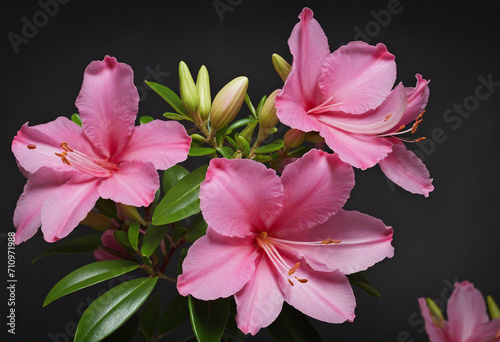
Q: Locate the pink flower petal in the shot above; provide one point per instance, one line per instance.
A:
(466, 311)
(108, 104)
(327, 296)
(239, 196)
(360, 150)
(358, 77)
(405, 169)
(217, 266)
(435, 334)
(135, 183)
(63, 210)
(162, 143)
(364, 241)
(487, 332)
(417, 100)
(41, 185)
(48, 138)
(260, 301)
(109, 241)
(316, 186)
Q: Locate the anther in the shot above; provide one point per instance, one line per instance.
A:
(420, 139)
(290, 282)
(31, 146)
(65, 147)
(387, 117)
(330, 241)
(303, 281)
(498, 334)
(400, 128)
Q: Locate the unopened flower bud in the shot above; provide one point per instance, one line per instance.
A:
(493, 308)
(188, 90)
(97, 221)
(267, 115)
(436, 314)
(293, 138)
(131, 212)
(228, 101)
(203, 85)
(281, 66)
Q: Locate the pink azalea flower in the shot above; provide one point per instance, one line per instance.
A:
(113, 251)
(346, 96)
(272, 239)
(467, 318)
(70, 167)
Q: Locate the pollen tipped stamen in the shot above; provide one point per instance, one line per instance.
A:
(303, 281)
(31, 146)
(330, 241)
(497, 335)
(387, 117)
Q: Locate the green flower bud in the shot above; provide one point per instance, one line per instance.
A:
(97, 221)
(293, 138)
(203, 85)
(436, 314)
(281, 66)
(189, 91)
(228, 101)
(267, 115)
(493, 308)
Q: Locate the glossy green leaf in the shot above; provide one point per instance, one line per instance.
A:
(261, 104)
(182, 200)
(200, 151)
(208, 318)
(133, 235)
(175, 314)
(177, 117)
(83, 244)
(274, 146)
(169, 96)
(359, 279)
(243, 145)
(76, 119)
(250, 105)
(196, 229)
(108, 312)
(152, 238)
(150, 316)
(121, 237)
(172, 176)
(106, 207)
(89, 275)
(126, 332)
(232, 142)
(145, 119)
(240, 123)
(293, 326)
(226, 151)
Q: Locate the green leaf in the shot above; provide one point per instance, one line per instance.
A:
(150, 316)
(111, 310)
(293, 326)
(232, 142)
(261, 104)
(359, 279)
(178, 233)
(208, 318)
(122, 238)
(262, 159)
(226, 151)
(200, 151)
(133, 235)
(145, 119)
(196, 229)
(298, 152)
(182, 200)
(169, 96)
(83, 244)
(175, 314)
(250, 105)
(240, 123)
(106, 207)
(152, 238)
(220, 135)
(76, 119)
(89, 275)
(177, 117)
(243, 145)
(274, 146)
(126, 332)
(172, 176)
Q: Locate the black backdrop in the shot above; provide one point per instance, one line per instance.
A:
(452, 235)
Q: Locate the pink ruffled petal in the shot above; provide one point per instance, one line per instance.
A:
(240, 196)
(360, 150)
(405, 169)
(358, 77)
(466, 311)
(316, 186)
(260, 301)
(108, 104)
(417, 100)
(217, 266)
(326, 296)
(162, 143)
(69, 204)
(135, 183)
(364, 241)
(41, 185)
(488, 332)
(48, 138)
(435, 334)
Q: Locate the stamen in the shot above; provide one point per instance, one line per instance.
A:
(65, 147)
(303, 281)
(498, 334)
(387, 117)
(31, 146)
(294, 268)
(330, 241)
(289, 281)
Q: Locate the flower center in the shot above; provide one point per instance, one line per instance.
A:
(411, 130)
(81, 161)
(325, 106)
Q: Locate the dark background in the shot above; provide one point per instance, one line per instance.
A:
(452, 235)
